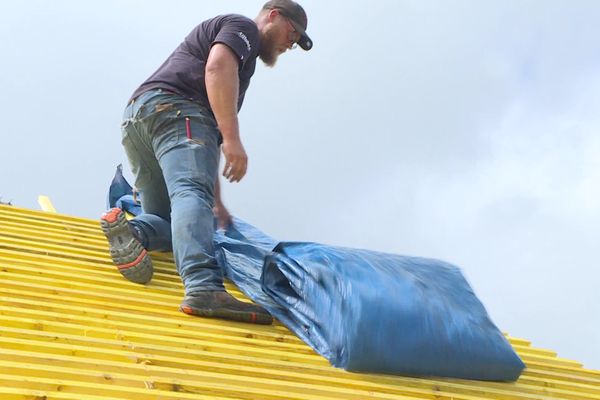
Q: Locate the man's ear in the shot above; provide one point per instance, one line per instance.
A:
(272, 14)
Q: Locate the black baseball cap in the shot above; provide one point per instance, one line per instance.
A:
(295, 13)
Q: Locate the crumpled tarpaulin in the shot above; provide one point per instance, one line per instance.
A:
(120, 194)
(365, 311)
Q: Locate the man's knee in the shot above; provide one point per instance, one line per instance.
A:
(197, 191)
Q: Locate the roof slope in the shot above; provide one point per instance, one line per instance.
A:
(73, 328)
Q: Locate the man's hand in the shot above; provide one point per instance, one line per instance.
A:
(219, 210)
(236, 160)
(223, 217)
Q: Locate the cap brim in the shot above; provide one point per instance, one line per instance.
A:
(304, 42)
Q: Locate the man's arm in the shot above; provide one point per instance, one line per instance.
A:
(222, 86)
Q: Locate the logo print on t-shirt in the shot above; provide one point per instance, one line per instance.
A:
(245, 39)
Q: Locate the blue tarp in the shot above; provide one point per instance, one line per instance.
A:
(120, 194)
(367, 311)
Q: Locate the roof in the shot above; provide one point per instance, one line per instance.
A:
(73, 328)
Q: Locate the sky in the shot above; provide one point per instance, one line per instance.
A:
(461, 130)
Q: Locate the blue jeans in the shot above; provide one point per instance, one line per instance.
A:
(173, 149)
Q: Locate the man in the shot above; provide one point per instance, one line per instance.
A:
(172, 130)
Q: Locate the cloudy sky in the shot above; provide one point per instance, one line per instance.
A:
(460, 130)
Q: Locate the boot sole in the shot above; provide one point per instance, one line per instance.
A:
(232, 315)
(128, 254)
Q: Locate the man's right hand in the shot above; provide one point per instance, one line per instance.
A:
(236, 160)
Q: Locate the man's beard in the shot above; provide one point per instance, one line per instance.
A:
(268, 52)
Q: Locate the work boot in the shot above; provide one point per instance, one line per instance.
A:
(127, 252)
(220, 304)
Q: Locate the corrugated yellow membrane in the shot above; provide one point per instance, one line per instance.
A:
(73, 328)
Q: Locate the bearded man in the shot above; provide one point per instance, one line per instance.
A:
(173, 128)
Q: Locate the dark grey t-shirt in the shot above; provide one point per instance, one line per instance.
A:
(183, 71)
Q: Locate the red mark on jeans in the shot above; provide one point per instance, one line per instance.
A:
(188, 129)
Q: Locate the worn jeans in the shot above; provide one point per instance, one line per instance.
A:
(173, 149)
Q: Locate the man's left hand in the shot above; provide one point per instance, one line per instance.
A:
(223, 217)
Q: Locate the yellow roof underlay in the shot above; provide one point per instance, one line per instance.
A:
(72, 328)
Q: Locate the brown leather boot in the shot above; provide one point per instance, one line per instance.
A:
(220, 304)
